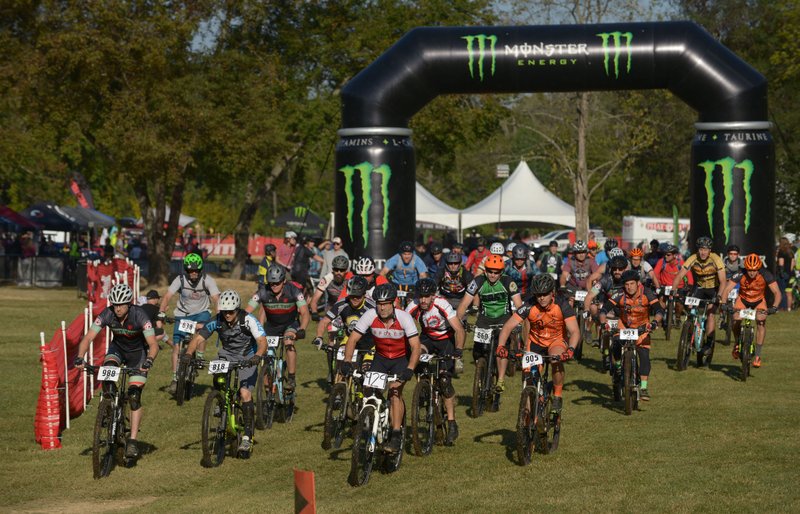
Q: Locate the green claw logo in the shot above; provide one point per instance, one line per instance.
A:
(300, 212)
(481, 40)
(616, 39)
(727, 165)
(365, 171)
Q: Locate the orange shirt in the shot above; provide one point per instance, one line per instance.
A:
(548, 325)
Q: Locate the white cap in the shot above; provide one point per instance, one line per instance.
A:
(337, 239)
(289, 234)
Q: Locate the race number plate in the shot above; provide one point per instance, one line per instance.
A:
(340, 354)
(483, 335)
(215, 367)
(691, 301)
(108, 373)
(612, 323)
(402, 294)
(272, 341)
(375, 380)
(629, 334)
(733, 294)
(188, 326)
(531, 359)
(667, 290)
(426, 357)
(748, 314)
(580, 295)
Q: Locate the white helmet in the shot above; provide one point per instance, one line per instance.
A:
(365, 266)
(497, 249)
(229, 300)
(510, 246)
(120, 294)
(616, 252)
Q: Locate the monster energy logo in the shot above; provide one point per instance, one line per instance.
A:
(365, 171)
(300, 212)
(616, 39)
(727, 165)
(481, 40)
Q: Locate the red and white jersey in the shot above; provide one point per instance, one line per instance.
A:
(390, 339)
(433, 321)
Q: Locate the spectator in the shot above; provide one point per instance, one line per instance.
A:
(303, 255)
(285, 253)
(269, 257)
(27, 246)
(330, 253)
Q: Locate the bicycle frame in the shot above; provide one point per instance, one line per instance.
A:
(698, 317)
(382, 422)
(229, 386)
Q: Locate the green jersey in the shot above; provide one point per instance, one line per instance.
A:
(495, 298)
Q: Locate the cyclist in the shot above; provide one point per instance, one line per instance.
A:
(604, 256)
(477, 256)
(553, 329)
(575, 273)
(646, 274)
(666, 270)
(285, 314)
(709, 278)
(608, 284)
(633, 306)
(453, 279)
(243, 339)
(495, 249)
(753, 285)
(734, 265)
(520, 269)
(593, 249)
(551, 261)
(270, 254)
(434, 260)
(394, 333)
(406, 267)
(195, 290)
(134, 345)
(332, 284)
(497, 294)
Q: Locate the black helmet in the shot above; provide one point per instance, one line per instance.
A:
(553, 243)
(276, 274)
(704, 242)
(609, 244)
(384, 293)
(270, 248)
(664, 247)
(340, 262)
(406, 246)
(618, 263)
(426, 287)
(453, 258)
(520, 251)
(481, 241)
(630, 275)
(542, 284)
(357, 286)
(436, 248)
(733, 248)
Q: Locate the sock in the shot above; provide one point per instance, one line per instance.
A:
(644, 384)
(758, 350)
(291, 375)
(174, 377)
(247, 413)
(557, 389)
(198, 355)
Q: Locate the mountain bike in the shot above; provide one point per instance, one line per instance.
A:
(344, 401)
(405, 294)
(582, 316)
(726, 316)
(223, 420)
(627, 386)
(112, 424)
(606, 331)
(373, 430)
(538, 426)
(693, 334)
(747, 337)
(669, 317)
(271, 395)
(186, 374)
(428, 412)
(483, 385)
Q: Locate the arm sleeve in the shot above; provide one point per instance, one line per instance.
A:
(208, 329)
(407, 322)
(254, 326)
(175, 286)
(363, 323)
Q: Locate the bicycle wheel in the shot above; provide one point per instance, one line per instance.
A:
(728, 327)
(103, 443)
(363, 448)
(543, 412)
(553, 422)
(684, 346)
(265, 398)
(180, 379)
(745, 345)
(439, 417)
(422, 424)
(478, 398)
(629, 381)
(213, 430)
(287, 399)
(525, 426)
(335, 417)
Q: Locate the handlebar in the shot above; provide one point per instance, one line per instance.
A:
(88, 368)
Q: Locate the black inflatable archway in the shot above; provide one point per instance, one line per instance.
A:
(732, 165)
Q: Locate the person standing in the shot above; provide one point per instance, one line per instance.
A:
(328, 254)
(285, 253)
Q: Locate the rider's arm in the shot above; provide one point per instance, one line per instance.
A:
(594, 277)
(653, 276)
(464, 305)
(353, 339)
(574, 332)
(165, 301)
(676, 282)
(416, 350)
(516, 301)
(729, 285)
(95, 329)
(508, 327)
(722, 280)
(458, 329)
(315, 300)
(253, 303)
(562, 281)
(194, 343)
(152, 345)
(305, 316)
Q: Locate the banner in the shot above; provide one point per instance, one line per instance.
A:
(80, 188)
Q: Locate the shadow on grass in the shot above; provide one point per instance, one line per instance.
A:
(733, 371)
(316, 427)
(599, 393)
(508, 439)
(194, 445)
(341, 454)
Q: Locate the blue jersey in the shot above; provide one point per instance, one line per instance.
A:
(239, 337)
(601, 258)
(523, 276)
(405, 274)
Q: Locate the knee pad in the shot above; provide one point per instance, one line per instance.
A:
(448, 391)
(394, 392)
(289, 347)
(135, 397)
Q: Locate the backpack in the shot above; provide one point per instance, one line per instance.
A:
(202, 279)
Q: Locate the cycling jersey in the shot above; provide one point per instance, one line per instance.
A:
(405, 274)
(390, 340)
(281, 310)
(732, 269)
(635, 311)
(129, 334)
(607, 286)
(475, 259)
(378, 280)
(193, 299)
(643, 269)
(345, 314)
(579, 272)
(239, 338)
(551, 263)
(266, 262)
(521, 276)
(548, 325)
(601, 257)
(667, 271)
(434, 321)
(453, 285)
(753, 290)
(334, 290)
(495, 298)
(704, 272)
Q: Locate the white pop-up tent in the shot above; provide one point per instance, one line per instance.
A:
(520, 198)
(432, 210)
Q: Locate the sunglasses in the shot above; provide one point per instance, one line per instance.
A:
(339, 270)
(337, 244)
(225, 313)
(492, 272)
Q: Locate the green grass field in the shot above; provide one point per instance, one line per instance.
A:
(705, 443)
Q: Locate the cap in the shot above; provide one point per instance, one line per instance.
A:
(337, 239)
(153, 295)
(289, 234)
(592, 244)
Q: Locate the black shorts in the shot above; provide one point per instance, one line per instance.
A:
(279, 330)
(442, 348)
(707, 293)
(131, 359)
(383, 364)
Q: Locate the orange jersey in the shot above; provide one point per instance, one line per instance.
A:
(548, 325)
(633, 312)
(752, 291)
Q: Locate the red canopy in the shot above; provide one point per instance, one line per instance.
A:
(11, 216)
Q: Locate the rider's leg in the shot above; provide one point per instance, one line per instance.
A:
(397, 406)
(644, 364)
(135, 400)
(175, 355)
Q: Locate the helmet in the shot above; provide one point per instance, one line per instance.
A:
(580, 246)
(672, 249)
(269, 248)
(426, 287)
(497, 249)
(630, 275)
(436, 248)
(494, 262)
(192, 262)
(704, 242)
(453, 258)
(229, 300)
(120, 294)
(609, 244)
(384, 293)
(290, 234)
(542, 284)
(340, 262)
(276, 274)
(553, 243)
(357, 286)
(752, 262)
(618, 262)
(636, 252)
(365, 266)
(616, 252)
(520, 252)
(591, 244)
(510, 246)
(664, 247)
(481, 241)
(406, 246)
(733, 248)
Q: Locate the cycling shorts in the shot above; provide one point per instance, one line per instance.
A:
(248, 375)
(383, 364)
(279, 330)
(134, 359)
(758, 305)
(200, 317)
(441, 347)
(707, 293)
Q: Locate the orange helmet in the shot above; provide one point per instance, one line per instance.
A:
(494, 263)
(637, 252)
(752, 262)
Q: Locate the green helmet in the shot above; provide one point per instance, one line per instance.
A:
(192, 262)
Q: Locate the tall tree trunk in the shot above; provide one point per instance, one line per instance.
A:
(582, 172)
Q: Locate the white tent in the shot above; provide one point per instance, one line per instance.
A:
(183, 221)
(520, 198)
(432, 210)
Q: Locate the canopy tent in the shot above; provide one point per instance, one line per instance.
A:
(301, 219)
(432, 210)
(53, 217)
(10, 218)
(183, 220)
(520, 198)
(90, 217)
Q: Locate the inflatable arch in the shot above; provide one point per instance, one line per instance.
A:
(732, 160)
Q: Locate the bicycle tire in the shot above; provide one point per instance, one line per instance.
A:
(543, 410)
(103, 443)
(744, 351)
(286, 399)
(214, 428)
(553, 422)
(684, 346)
(238, 431)
(525, 426)
(478, 401)
(123, 430)
(335, 417)
(440, 417)
(180, 379)
(728, 327)
(423, 426)
(629, 381)
(362, 458)
(265, 399)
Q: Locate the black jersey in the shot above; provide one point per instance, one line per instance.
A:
(130, 332)
(280, 310)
